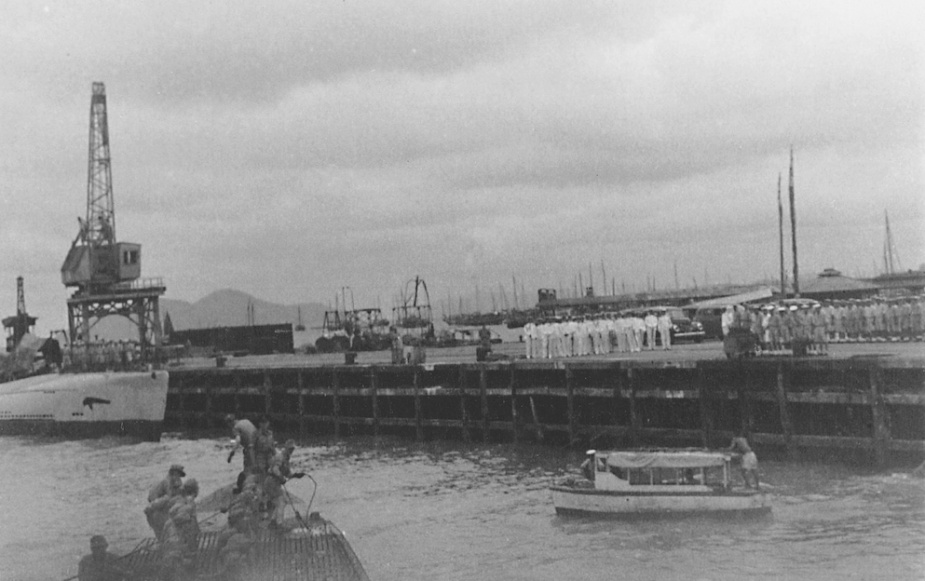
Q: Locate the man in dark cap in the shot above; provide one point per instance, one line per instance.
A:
(161, 496)
(245, 436)
(100, 564)
(181, 534)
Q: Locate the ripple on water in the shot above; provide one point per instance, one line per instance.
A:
(454, 512)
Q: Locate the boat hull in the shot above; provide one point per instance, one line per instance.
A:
(592, 502)
(318, 551)
(85, 405)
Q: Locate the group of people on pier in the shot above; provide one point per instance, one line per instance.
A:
(598, 334)
(103, 355)
(257, 503)
(779, 327)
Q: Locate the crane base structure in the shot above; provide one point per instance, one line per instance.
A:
(137, 302)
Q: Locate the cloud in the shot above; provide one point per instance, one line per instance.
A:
(290, 148)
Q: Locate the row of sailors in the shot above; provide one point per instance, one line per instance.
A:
(776, 327)
(119, 354)
(608, 333)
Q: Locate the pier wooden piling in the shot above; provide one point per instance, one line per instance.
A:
(463, 409)
(512, 387)
(483, 399)
(881, 430)
(418, 407)
(784, 411)
(872, 406)
(335, 400)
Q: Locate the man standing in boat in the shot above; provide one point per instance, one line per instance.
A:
(180, 543)
(100, 564)
(264, 445)
(279, 472)
(740, 446)
(245, 436)
(160, 497)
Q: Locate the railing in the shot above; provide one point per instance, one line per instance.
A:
(140, 284)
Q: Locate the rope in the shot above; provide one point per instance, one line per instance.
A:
(210, 517)
(310, 501)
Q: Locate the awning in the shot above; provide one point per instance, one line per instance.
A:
(665, 459)
(751, 296)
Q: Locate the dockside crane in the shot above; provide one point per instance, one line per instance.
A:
(106, 273)
(21, 323)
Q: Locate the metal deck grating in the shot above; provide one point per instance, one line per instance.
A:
(319, 553)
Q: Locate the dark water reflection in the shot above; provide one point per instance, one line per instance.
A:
(449, 511)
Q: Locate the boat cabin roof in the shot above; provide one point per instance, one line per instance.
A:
(662, 459)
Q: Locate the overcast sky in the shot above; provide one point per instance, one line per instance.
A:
(288, 149)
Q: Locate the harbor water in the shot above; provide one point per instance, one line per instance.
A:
(449, 511)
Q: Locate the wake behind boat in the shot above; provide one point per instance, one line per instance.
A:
(656, 483)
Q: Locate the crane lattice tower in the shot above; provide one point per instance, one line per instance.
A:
(105, 272)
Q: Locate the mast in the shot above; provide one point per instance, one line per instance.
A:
(890, 256)
(780, 228)
(514, 288)
(793, 232)
(603, 278)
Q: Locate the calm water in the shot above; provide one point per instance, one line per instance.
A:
(444, 511)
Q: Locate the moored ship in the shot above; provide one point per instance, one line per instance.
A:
(85, 404)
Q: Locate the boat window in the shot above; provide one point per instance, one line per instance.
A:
(714, 476)
(620, 473)
(640, 476)
(669, 476)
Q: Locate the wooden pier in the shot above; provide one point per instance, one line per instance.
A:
(868, 406)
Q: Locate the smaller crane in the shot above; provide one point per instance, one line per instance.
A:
(20, 323)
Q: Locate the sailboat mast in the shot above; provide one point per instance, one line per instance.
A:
(514, 286)
(780, 228)
(890, 256)
(793, 232)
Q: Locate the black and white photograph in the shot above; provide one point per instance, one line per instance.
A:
(366, 290)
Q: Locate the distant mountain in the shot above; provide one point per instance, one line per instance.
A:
(223, 308)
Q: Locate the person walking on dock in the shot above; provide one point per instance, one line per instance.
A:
(727, 320)
(529, 332)
(651, 324)
(664, 330)
(160, 498)
(100, 564)
(639, 330)
(245, 436)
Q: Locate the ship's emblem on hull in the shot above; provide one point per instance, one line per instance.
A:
(89, 401)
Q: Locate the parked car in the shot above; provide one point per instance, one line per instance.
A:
(710, 319)
(682, 327)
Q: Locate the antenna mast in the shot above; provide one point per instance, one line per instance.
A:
(793, 232)
(890, 256)
(780, 227)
